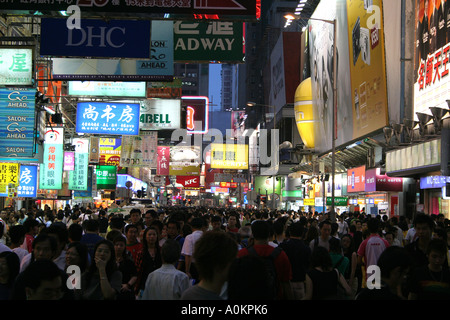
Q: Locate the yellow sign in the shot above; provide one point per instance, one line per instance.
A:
(184, 169)
(367, 67)
(229, 156)
(304, 113)
(9, 174)
(309, 202)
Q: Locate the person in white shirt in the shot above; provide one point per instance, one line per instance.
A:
(166, 282)
(198, 224)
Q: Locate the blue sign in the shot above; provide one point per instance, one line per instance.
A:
(96, 38)
(108, 118)
(27, 181)
(434, 182)
(17, 118)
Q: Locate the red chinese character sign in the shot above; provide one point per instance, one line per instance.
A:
(197, 118)
(51, 170)
(431, 67)
(163, 161)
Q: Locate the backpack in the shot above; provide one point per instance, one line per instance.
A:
(269, 262)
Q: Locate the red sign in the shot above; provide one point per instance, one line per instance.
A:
(162, 168)
(197, 108)
(189, 181)
(356, 179)
(228, 184)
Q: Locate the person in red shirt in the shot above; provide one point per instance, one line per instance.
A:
(31, 228)
(261, 234)
(133, 245)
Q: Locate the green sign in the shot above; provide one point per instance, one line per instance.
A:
(265, 183)
(78, 177)
(292, 194)
(106, 177)
(202, 41)
(338, 201)
(16, 66)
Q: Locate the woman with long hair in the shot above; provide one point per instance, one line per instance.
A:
(149, 258)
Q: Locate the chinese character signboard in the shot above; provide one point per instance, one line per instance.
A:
(9, 176)
(109, 150)
(432, 52)
(16, 66)
(139, 151)
(78, 177)
(69, 161)
(208, 41)
(27, 181)
(17, 117)
(163, 161)
(108, 118)
(229, 156)
(51, 170)
(106, 177)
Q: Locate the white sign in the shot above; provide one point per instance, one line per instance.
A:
(158, 114)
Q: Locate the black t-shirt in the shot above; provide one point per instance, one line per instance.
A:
(430, 285)
(299, 255)
(384, 293)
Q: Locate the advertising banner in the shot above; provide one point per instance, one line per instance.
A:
(211, 9)
(197, 117)
(9, 176)
(160, 114)
(107, 88)
(157, 67)
(109, 151)
(27, 181)
(163, 160)
(139, 151)
(205, 41)
(356, 179)
(17, 118)
(108, 118)
(367, 67)
(431, 59)
(96, 38)
(229, 156)
(265, 185)
(377, 182)
(106, 177)
(189, 181)
(51, 170)
(16, 66)
(78, 178)
(69, 160)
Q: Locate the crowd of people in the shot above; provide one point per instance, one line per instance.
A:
(204, 253)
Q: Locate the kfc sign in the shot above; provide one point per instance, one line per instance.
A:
(189, 181)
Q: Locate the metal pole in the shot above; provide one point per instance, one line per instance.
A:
(275, 149)
(333, 139)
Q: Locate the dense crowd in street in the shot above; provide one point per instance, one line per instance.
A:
(205, 253)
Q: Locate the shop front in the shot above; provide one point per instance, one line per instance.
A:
(435, 194)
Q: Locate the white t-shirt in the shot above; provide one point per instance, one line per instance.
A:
(371, 249)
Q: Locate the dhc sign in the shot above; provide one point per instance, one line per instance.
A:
(96, 38)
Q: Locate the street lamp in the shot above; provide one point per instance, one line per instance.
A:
(333, 134)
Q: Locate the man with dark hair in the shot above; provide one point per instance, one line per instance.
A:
(299, 255)
(373, 246)
(91, 236)
(133, 245)
(43, 281)
(214, 253)
(261, 234)
(166, 283)
(424, 226)
(17, 237)
(187, 250)
(431, 281)
(31, 230)
(324, 236)
(60, 234)
(394, 264)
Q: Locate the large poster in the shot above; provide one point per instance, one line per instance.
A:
(431, 62)
(367, 66)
